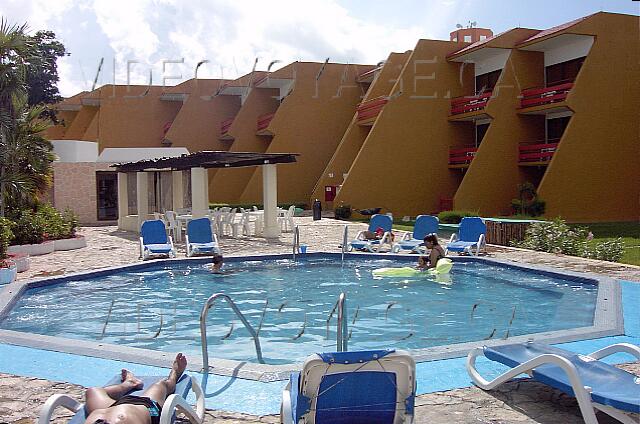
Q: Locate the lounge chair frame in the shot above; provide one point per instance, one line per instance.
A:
(581, 392)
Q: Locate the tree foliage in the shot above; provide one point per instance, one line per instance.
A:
(42, 73)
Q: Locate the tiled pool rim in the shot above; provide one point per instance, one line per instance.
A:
(608, 319)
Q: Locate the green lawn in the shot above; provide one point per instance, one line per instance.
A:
(628, 231)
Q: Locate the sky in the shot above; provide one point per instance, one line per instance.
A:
(165, 39)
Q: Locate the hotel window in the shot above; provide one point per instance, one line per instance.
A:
(481, 130)
(467, 38)
(555, 128)
(486, 82)
(564, 72)
(132, 192)
(483, 37)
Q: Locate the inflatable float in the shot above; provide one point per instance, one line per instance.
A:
(443, 266)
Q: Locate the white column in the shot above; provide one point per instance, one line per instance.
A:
(199, 192)
(270, 201)
(177, 190)
(123, 199)
(142, 188)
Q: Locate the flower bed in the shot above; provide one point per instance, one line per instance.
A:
(35, 249)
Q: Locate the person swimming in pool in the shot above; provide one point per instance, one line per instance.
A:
(111, 404)
(216, 264)
(436, 252)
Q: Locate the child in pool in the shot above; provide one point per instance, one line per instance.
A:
(216, 264)
(436, 252)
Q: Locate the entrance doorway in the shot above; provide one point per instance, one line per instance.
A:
(107, 195)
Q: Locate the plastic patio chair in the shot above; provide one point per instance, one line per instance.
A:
(286, 221)
(174, 402)
(471, 234)
(154, 240)
(200, 238)
(372, 387)
(377, 221)
(594, 384)
(425, 224)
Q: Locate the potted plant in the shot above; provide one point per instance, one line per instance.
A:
(8, 269)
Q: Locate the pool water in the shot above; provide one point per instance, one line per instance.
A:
(291, 302)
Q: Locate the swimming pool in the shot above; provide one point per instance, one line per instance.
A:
(157, 306)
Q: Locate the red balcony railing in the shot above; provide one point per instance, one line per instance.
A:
(545, 95)
(264, 120)
(225, 125)
(469, 103)
(371, 108)
(462, 155)
(537, 152)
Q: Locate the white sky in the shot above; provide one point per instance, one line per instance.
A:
(230, 34)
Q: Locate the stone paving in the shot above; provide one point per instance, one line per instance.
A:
(515, 402)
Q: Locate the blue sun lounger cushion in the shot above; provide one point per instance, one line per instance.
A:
(377, 221)
(200, 238)
(425, 224)
(154, 239)
(594, 383)
(471, 234)
(352, 387)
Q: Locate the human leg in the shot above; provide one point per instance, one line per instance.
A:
(160, 390)
(104, 397)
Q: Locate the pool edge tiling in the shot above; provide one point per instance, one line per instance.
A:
(608, 320)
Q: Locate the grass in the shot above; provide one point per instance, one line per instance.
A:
(628, 231)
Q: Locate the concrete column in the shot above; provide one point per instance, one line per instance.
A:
(270, 201)
(142, 187)
(123, 199)
(199, 192)
(177, 190)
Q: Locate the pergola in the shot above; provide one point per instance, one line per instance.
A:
(198, 163)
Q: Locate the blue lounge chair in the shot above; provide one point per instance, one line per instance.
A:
(593, 383)
(471, 234)
(377, 221)
(425, 224)
(200, 238)
(372, 387)
(154, 240)
(174, 402)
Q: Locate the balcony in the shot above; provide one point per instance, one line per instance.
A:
(469, 107)
(540, 96)
(368, 111)
(263, 124)
(537, 153)
(224, 129)
(461, 157)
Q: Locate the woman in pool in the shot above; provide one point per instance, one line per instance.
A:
(436, 252)
(216, 264)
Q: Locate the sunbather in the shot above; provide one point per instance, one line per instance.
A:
(111, 405)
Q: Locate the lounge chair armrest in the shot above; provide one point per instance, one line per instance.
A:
(141, 245)
(53, 402)
(360, 235)
(406, 236)
(176, 402)
(454, 238)
(616, 348)
(286, 415)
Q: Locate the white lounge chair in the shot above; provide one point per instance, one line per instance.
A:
(154, 240)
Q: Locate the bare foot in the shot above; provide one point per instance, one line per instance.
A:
(128, 377)
(179, 365)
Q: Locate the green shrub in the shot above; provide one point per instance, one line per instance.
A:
(527, 202)
(557, 237)
(6, 235)
(342, 212)
(28, 229)
(454, 217)
(71, 220)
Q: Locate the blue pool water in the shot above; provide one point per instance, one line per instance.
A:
(159, 308)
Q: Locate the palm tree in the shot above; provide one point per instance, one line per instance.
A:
(27, 156)
(16, 50)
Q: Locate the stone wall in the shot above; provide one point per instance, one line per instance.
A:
(74, 187)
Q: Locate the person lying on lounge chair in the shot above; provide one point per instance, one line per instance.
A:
(110, 405)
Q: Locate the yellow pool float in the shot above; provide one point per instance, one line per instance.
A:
(443, 266)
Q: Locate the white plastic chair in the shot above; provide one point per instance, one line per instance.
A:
(286, 221)
(172, 224)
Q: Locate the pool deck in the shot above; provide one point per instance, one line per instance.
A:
(28, 376)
